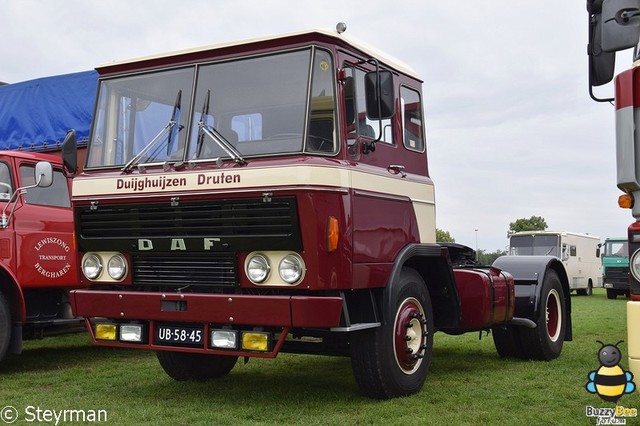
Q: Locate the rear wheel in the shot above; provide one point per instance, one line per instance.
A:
(183, 366)
(5, 326)
(611, 293)
(393, 360)
(544, 342)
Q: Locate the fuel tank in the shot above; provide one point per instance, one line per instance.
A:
(487, 297)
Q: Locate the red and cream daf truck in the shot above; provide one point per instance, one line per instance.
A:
(614, 25)
(273, 195)
(38, 256)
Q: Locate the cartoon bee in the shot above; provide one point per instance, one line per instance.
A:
(610, 381)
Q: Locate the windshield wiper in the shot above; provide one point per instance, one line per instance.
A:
(204, 129)
(159, 137)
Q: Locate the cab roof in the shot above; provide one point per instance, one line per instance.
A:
(254, 45)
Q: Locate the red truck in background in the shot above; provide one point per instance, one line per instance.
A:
(614, 25)
(38, 257)
(273, 195)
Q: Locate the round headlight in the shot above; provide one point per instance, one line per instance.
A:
(291, 268)
(634, 265)
(117, 267)
(258, 268)
(92, 267)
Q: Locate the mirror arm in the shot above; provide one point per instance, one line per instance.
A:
(610, 100)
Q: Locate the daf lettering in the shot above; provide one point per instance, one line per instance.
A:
(178, 244)
(208, 242)
(144, 244)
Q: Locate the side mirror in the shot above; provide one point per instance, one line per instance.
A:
(70, 153)
(43, 174)
(601, 63)
(379, 95)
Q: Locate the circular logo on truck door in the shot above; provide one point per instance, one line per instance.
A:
(52, 260)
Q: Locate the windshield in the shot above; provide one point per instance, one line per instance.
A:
(257, 106)
(616, 249)
(528, 245)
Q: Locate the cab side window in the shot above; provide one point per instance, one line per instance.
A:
(412, 122)
(359, 124)
(57, 195)
(6, 188)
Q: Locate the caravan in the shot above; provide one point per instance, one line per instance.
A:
(578, 252)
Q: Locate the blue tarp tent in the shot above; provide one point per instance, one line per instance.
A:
(36, 114)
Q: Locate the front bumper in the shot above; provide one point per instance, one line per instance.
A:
(278, 313)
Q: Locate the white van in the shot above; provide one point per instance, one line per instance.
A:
(578, 252)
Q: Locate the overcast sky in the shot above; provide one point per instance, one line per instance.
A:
(511, 129)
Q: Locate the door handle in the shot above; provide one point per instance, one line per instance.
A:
(397, 169)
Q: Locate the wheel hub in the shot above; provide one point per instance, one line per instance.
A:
(410, 335)
(553, 315)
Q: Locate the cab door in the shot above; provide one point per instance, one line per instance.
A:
(43, 224)
(7, 235)
(392, 195)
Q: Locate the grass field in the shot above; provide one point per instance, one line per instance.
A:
(468, 384)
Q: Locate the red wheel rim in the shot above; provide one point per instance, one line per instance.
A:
(553, 315)
(410, 335)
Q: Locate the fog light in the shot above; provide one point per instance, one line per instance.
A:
(131, 333)
(255, 341)
(224, 339)
(106, 332)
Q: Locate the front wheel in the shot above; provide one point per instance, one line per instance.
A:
(183, 366)
(393, 359)
(544, 342)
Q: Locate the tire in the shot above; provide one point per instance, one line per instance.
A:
(393, 360)
(611, 294)
(589, 289)
(506, 339)
(5, 326)
(544, 342)
(182, 366)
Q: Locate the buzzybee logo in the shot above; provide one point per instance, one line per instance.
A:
(610, 381)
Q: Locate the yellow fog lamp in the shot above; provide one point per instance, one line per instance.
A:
(224, 339)
(255, 341)
(132, 333)
(106, 332)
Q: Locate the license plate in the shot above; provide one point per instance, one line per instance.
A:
(179, 335)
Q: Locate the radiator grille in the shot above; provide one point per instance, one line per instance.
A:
(214, 269)
(241, 224)
(190, 219)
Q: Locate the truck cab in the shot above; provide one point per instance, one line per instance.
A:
(273, 195)
(615, 266)
(37, 257)
(614, 25)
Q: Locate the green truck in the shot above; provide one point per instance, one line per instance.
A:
(615, 267)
